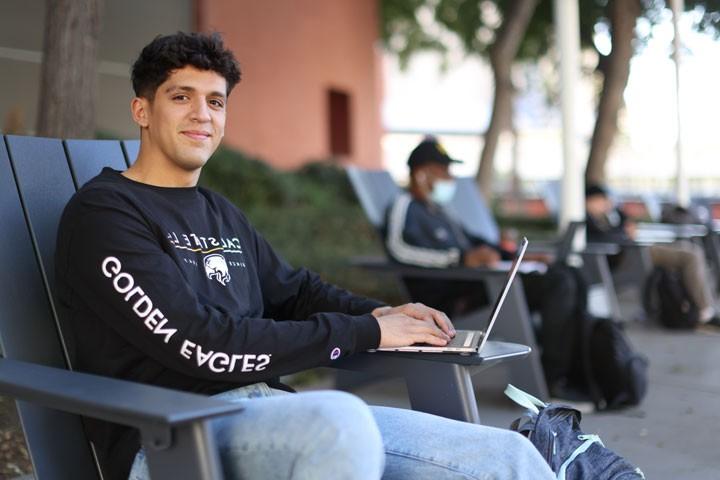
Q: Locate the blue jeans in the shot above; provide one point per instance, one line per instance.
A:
(327, 434)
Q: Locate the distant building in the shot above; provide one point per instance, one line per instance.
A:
(312, 82)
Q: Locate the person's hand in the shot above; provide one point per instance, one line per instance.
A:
(413, 323)
(400, 330)
(482, 256)
(419, 312)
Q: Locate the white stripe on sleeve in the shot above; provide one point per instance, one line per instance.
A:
(411, 254)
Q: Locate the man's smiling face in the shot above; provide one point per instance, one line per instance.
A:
(185, 121)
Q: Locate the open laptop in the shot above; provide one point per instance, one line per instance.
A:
(468, 342)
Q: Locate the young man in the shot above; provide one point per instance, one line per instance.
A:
(605, 223)
(419, 232)
(167, 283)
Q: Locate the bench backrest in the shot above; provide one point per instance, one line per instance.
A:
(37, 178)
(87, 158)
(130, 149)
(469, 208)
(376, 191)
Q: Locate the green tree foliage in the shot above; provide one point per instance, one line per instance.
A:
(709, 15)
(311, 217)
(409, 26)
(492, 28)
(402, 32)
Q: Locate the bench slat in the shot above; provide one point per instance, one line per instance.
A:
(45, 185)
(87, 158)
(131, 149)
(57, 444)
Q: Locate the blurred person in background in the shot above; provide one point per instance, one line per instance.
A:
(608, 224)
(419, 232)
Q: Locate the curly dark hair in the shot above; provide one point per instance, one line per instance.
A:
(167, 53)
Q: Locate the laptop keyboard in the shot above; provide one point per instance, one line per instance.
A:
(464, 339)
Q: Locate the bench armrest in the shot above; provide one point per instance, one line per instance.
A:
(602, 248)
(668, 232)
(682, 229)
(398, 363)
(382, 265)
(173, 424)
(127, 403)
(543, 246)
(592, 248)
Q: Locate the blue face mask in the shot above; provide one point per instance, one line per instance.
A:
(443, 191)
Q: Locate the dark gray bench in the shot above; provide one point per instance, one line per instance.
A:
(37, 177)
(376, 191)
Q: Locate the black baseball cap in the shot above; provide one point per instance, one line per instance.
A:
(429, 151)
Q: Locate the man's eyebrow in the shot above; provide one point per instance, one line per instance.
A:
(189, 89)
(179, 87)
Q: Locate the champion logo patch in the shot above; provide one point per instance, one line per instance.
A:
(335, 354)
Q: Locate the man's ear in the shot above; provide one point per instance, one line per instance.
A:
(139, 107)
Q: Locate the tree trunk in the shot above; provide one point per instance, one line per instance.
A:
(68, 82)
(502, 55)
(623, 15)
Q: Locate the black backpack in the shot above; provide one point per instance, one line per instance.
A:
(608, 367)
(666, 299)
(570, 453)
(616, 374)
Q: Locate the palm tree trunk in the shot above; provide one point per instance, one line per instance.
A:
(502, 55)
(623, 15)
(68, 82)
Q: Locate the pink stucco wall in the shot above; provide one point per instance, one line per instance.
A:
(291, 52)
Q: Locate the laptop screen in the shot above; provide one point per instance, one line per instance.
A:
(501, 298)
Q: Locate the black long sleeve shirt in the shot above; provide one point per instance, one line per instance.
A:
(173, 287)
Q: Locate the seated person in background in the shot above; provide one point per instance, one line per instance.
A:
(607, 224)
(419, 232)
(167, 283)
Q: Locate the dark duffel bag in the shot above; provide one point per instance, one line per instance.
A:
(571, 453)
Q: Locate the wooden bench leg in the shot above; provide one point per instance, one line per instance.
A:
(445, 390)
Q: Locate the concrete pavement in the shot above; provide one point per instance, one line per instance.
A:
(673, 434)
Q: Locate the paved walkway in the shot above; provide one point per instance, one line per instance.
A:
(674, 434)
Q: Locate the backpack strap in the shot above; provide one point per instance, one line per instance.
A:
(524, 399)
